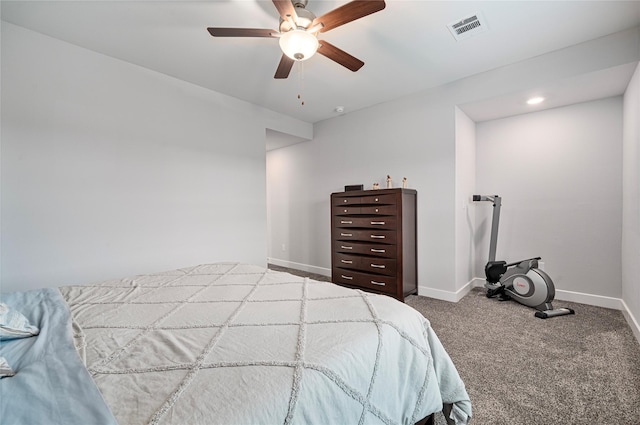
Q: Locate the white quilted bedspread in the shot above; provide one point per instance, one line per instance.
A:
(239, 344)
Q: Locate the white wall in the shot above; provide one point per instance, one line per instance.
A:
(559, 174)
(109, 169)
(361, 148)
(296, 227)
(465, 188)
(631, 201)
(412, 137)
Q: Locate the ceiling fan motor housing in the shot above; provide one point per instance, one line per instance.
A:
(305, 19)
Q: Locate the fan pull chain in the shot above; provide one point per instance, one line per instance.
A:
(300, 81)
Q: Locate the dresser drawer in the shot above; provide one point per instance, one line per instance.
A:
(387, 199)
(346, 210)
(366, 222)
(385, 284)
(377, 250)
(348, 261)
(385, 266)
(365, 235)
(378, 210)
(375, 265)
(346, 200)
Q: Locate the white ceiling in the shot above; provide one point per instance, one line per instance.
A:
(594, 85)
(406, 47)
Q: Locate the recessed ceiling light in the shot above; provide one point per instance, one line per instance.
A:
(535, 100)
(339, 109)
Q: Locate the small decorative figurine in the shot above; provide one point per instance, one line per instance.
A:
(404, 182)
(388, 181)
(376, 186)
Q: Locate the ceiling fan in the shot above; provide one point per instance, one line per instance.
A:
(299, 28)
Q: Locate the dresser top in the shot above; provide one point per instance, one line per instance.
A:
(375, 191)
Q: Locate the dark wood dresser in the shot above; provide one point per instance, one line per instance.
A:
(373, 237)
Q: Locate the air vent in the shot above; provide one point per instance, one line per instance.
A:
(468, 26)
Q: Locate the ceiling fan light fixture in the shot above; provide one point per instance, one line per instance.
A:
(299, 44)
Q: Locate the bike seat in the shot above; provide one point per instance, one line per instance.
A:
(494, 270)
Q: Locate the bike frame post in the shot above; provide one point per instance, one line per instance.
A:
(495, 222)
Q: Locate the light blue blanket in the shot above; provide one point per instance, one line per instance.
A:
(51, 385)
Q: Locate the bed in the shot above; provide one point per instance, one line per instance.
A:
(225, 343)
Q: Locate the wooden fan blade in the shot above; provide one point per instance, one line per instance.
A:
(286, 10)
(284, 67)
(339, 56)
(348, 12)
(241, 32)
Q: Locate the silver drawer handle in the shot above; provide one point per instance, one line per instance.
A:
(345, 200)
(346, 222)
(346, 277)
(346, 234)
(376, 283)
(346, 210)
(347, 261)
(378, 222)
(376, 199)
(378, 266)
(377, 237)
(378, 250)
(346, 247)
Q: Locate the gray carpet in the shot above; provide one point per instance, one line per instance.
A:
(582, 369)
(518, 369)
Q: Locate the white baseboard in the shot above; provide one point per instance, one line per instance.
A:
(561, 295)
(450, 296)
(589, 299)
(299, 266)
(633, 323)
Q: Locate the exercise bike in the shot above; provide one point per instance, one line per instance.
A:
(521, 281)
